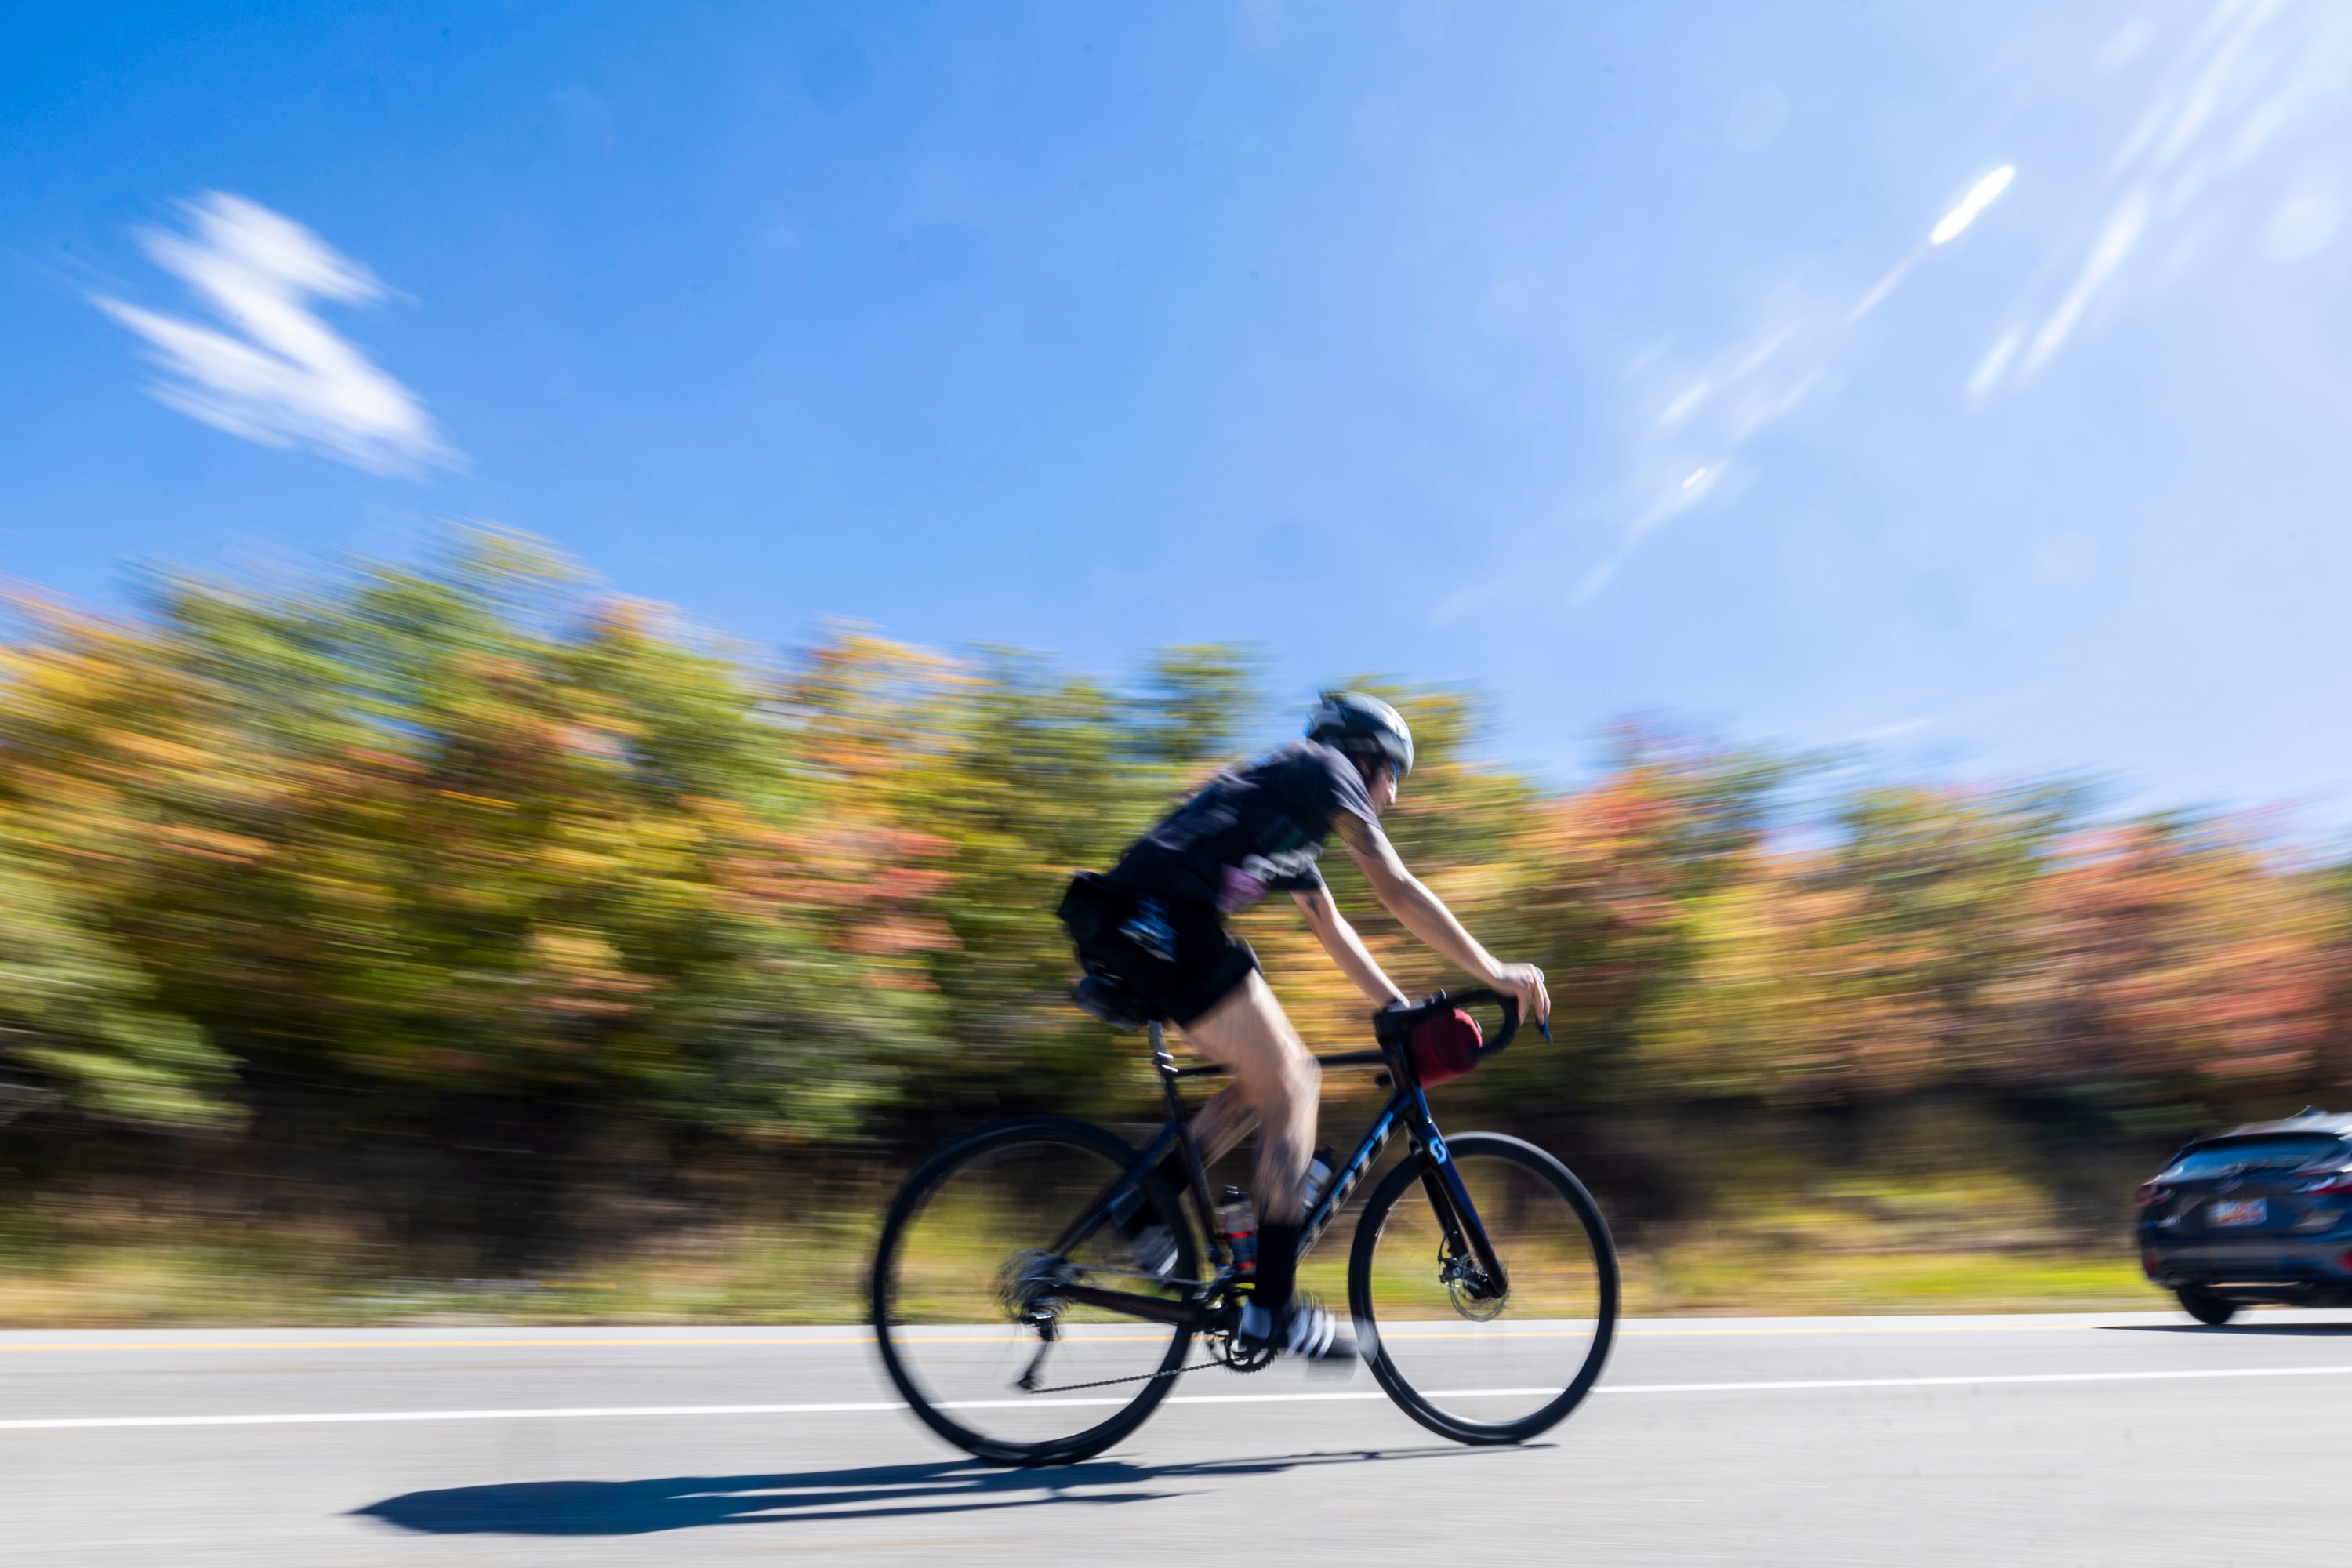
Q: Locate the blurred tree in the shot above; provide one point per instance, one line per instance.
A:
(476, 860)
(1195, 705)
(77, 1013)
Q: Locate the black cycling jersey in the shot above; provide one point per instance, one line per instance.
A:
(1155, 926)
(1254, 830)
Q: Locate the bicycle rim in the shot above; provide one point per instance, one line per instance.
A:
(959, 1256)
(1483, 1370)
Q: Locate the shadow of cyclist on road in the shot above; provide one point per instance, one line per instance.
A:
(874, 1491)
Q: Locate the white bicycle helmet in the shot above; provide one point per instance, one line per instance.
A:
(1357, 723)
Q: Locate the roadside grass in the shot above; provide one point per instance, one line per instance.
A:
(1980, 1241)
(1733, 1278)
(816, 1273)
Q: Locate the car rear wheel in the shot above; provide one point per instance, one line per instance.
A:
(2206, 1306)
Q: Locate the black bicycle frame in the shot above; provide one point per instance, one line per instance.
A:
(1465, 1236)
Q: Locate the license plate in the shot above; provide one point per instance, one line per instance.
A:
(2245, 1211)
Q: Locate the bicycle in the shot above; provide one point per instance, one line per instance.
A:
(1011, 1308)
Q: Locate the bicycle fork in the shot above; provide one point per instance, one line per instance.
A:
(1465, 1238)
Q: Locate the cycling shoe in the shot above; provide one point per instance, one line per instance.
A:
(1303, 1329)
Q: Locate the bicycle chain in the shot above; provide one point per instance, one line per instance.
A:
(1248, 1364)
(1139, 1377)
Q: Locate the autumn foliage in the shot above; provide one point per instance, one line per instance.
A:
(298, 876)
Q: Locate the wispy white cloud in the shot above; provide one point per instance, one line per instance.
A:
(1956, 221)
(279, 376)
(1686, 403)
(1709, 414)
(2108, 252)
(2302, 224)
(2249, 82)
(1968, 209)
(1996, 359)
(2251, 75)
(1688, 492)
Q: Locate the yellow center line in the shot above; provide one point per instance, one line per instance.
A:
(1645, 1332)
(430, 1344)
(1873, 1328)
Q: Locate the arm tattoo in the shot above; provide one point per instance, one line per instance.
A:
(1369, 845)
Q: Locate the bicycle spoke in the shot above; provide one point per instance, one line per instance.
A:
(982, 1320)
(1479, 1359)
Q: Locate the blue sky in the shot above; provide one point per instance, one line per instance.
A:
(1595, 356)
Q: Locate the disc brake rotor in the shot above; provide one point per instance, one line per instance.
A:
(1473, 1295)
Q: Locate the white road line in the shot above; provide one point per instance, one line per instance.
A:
(620, 1412)
(340, 1417)
(1971, 1380)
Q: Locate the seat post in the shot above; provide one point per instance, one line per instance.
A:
(1196, 1165)
(1166, 1066)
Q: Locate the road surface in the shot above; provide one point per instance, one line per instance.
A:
(2008, 1440)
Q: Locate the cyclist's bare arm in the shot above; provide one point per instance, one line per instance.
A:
(1426, 916)
(1346, 948)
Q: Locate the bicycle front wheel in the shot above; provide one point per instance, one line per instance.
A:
(1475, 1365)
(967, 1310)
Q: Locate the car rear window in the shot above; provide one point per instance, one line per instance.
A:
(2254, 1154)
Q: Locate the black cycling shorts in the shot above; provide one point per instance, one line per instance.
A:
(1173, 956)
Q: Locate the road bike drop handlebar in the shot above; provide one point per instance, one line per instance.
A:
(1393, 1026)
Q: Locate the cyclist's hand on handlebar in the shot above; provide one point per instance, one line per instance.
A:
(1525, 981)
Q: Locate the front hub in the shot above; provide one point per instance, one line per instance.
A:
(1474, 1296)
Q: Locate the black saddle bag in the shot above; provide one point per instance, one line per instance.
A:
(1092, 909)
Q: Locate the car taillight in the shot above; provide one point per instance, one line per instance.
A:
(2333, 1182)
(2152, 1194)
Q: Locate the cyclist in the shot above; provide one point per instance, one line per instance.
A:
(1154, 929)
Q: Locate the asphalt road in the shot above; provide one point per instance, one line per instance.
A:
(1872, 1440)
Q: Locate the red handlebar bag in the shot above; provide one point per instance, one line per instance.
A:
(1444, 1046)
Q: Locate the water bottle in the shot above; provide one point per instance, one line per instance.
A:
(1238, 1220)
(1319, 1177)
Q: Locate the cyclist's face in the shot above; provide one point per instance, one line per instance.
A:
(1382, 786)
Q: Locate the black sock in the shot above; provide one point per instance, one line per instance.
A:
(1277, 1266)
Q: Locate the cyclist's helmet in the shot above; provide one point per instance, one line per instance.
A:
(1363, 726)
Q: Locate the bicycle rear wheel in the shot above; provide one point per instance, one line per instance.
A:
(965, 1312)
(1497, 1369)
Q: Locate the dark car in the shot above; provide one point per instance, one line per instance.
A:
(2261, 1212)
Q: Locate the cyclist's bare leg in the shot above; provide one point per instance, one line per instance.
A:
(1223, 1122)
(1275, 1082)
(1278, 1081)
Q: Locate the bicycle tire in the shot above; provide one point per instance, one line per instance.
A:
(906, 1210)
(1406, 1178)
